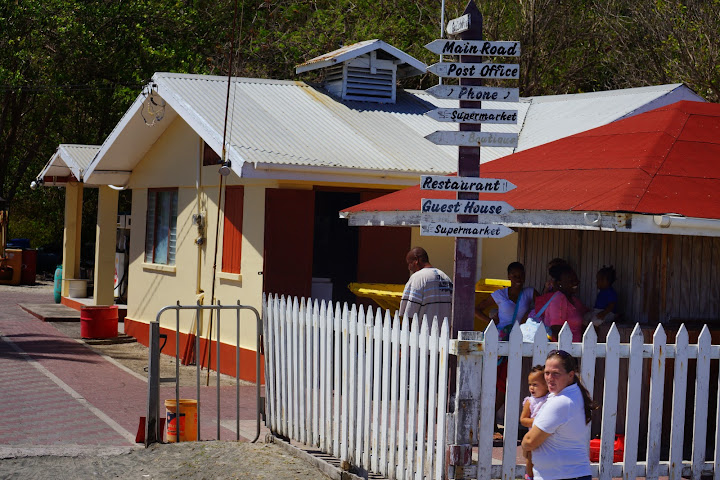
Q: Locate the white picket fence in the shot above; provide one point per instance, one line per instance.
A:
(351, 383)
(363, 387)
(477, 371)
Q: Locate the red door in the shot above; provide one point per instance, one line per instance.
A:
(288, 253)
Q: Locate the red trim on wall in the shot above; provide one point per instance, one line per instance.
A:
(141, 332)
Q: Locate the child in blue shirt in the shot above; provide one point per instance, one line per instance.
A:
(606, 300)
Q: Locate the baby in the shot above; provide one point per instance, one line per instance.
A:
(531, 406)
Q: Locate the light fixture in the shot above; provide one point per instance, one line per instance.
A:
(225, 168)
(153, 108)
(38, 182)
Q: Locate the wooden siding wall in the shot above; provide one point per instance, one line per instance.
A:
(660, 278)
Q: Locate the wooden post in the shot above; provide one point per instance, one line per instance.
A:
(463, 312)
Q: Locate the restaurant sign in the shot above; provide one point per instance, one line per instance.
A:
(465, 184)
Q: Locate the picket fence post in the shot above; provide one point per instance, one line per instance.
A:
(677, 430)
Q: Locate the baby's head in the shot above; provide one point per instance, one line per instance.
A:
(536, 381)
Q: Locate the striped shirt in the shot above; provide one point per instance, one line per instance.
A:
(427, 292)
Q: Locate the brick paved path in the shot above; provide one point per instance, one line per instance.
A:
(58, 392)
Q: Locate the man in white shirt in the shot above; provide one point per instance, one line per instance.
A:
(428, 291)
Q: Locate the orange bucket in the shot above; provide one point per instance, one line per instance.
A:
(185, 422)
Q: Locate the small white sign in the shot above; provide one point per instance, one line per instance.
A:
(474, 139)
(474, 47)
(458, 25)
(480, 94)
(473, 115)
(476, 70)
(475, 230)
(465, 184)
(465, 207)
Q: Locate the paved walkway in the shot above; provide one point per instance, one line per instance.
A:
(58, 393)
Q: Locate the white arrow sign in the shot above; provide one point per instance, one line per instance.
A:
(476, 230)
(465, 207)
(474, 139)
(474, 47)
(473, 115)
(476, 70)
(465, 184)
(458, 25)
(467, 92)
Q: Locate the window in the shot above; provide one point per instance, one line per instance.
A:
(232, 229)
(160, 232)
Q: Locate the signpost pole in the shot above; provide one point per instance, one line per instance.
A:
(463, 312)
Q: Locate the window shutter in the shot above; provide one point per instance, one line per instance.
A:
(232, 229)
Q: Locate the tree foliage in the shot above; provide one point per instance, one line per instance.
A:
(68, 70)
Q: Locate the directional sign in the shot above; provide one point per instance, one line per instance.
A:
(473, 115)
(465, 207)
(476, 230)
(458, 25)
(476, 70)
(467, 92)
(474, 139)
(474, 47)
(465, 184)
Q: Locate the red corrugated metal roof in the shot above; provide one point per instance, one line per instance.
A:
(663, 161)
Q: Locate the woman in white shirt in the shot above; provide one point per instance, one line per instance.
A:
(558, 438)
(513, 305)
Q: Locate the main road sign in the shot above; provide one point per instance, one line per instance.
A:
(475, 230)
(465, 184)
(474, 139)
(476, 70)
(474, 47)
(473, 115)
(465, 207)
(467, 92)
(458, 25)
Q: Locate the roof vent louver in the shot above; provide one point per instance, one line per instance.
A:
(366, 71)
(363, 79)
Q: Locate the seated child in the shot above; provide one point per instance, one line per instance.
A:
(606, 300)
(531, 406)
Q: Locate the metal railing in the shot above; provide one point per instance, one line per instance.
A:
(153, 433)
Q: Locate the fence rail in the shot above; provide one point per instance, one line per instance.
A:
(364, 387)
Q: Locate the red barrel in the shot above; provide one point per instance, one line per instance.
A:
(99, 321)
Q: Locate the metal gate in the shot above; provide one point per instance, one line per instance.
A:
(153, 433)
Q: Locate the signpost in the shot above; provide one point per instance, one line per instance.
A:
(474, 139)
(474, 47)
(476, 230)
(458, 25)
(465, 207)
(470, 69)
(465, 184)
(491, 94)
(476, 70)
(473, 115)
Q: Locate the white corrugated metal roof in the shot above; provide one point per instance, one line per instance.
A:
(290, 125)
(68, 160)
